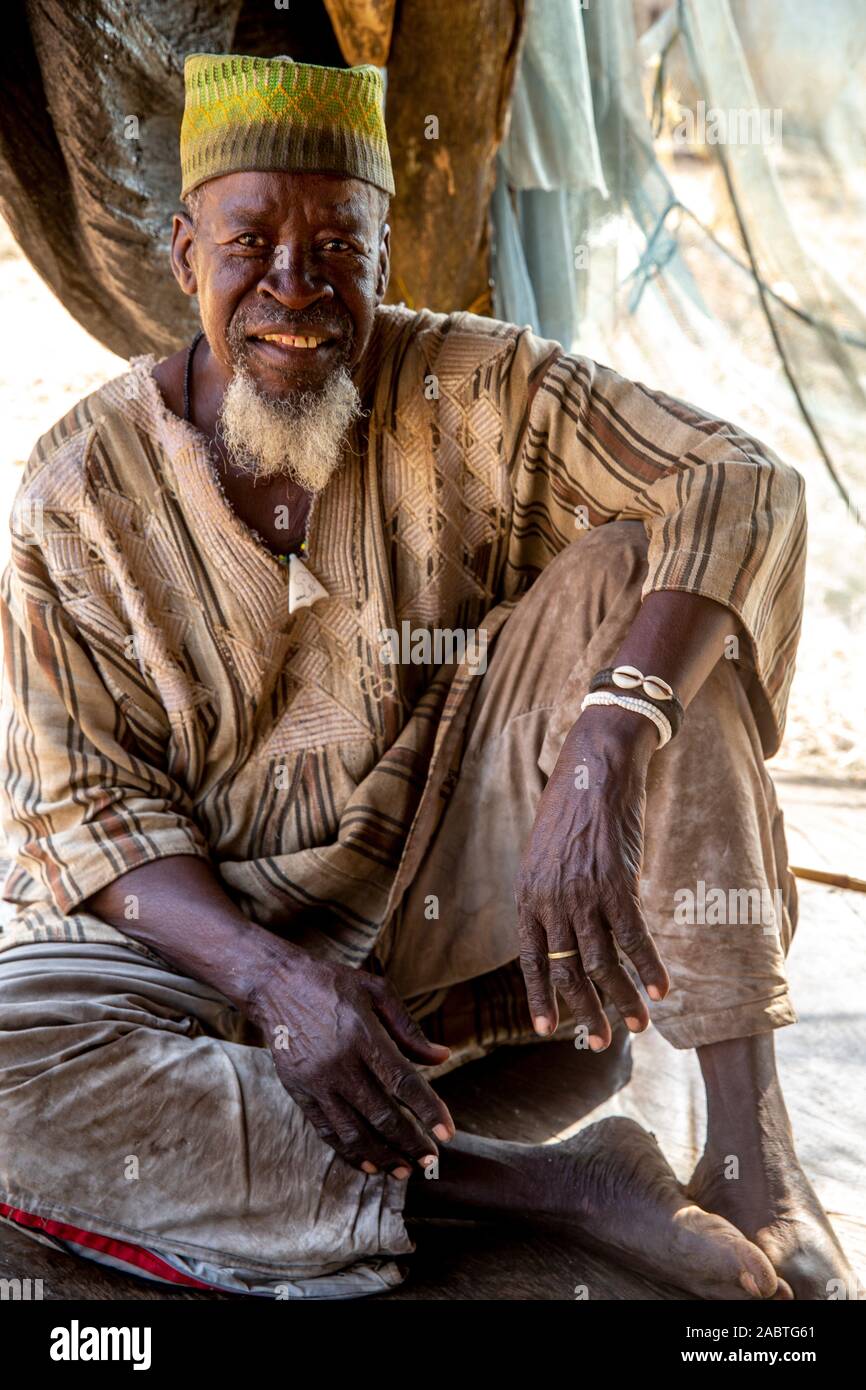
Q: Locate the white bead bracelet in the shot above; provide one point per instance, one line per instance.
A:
(607, 697)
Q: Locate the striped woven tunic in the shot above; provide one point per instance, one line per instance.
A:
(160, 699)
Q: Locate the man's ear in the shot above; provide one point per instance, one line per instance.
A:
(182, 242)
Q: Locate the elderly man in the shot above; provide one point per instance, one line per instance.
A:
(324, 636)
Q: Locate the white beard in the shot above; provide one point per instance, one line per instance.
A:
(298, 437)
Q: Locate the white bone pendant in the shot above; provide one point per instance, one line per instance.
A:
(304, 588)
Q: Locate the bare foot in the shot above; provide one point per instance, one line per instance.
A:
(774, 1204)
(617, 1187)
(612, 1183)
(770, 1199)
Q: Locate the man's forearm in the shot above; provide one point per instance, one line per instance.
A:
(341, 1039)
(675, 635)
(184, 914)
(680, 637)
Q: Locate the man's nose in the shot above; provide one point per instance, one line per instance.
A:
(292, 277)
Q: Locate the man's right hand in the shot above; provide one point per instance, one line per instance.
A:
(342, 1041)
(343, 1044)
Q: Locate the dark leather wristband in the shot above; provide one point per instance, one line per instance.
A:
(672, 709)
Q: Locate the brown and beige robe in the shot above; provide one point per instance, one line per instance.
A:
(160, 700)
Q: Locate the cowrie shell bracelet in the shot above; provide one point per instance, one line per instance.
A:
(629, 678)
(656, 700)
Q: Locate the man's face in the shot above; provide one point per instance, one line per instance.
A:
(275, 257)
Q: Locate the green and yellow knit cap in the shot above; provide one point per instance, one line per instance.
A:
(274, 114)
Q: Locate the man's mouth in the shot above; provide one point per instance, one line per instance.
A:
(306, 342)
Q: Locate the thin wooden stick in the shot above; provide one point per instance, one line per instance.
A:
(854, 885)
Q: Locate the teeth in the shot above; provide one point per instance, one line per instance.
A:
(288, 340)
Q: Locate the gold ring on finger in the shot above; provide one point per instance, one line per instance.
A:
(561, 955)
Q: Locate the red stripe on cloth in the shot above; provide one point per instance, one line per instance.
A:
(134, 1255)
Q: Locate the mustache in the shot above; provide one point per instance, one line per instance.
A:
(275, 322)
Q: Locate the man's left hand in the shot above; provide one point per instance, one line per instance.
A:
(578, 884)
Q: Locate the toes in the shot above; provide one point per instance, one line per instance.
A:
(730, 1265)
(758, 1276)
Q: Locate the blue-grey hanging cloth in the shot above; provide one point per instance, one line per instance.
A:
(548, 162)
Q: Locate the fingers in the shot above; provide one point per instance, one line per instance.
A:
(347, 1132)
(628, 924)
(580, 978)
(411, 1089)
(577, 990)
(535, 965)
(418, 1095)
(370, 1131)
(594, 929)
(569, 977)
(397, 1079)
(604, 968)
(327, 1130)
(402, 1026)
(359, 1144)
(545, 978)
(367, 1101)
(374, 1133)
(393, 1127)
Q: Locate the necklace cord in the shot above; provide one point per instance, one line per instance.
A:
(187, 374)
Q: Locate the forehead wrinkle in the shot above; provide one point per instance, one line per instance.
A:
(240, 213)
(265, 214)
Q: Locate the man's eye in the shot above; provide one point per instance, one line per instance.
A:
(335, 241)
(249, 239)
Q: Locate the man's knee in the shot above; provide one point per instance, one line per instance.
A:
(601, 571)
(617, 547)
(614, 554)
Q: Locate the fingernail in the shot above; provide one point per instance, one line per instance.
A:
(401, 1173)
(634, 1024)
(369, 1167)
(427, 1160)
(597, 1044)
(443, 1133)
(542, 1025)
(749, 1284)
(653, 991)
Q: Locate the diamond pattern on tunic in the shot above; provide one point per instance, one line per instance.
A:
(166, 564)
(445, 494)
(314, 719)
(98, 620)
(249, 662)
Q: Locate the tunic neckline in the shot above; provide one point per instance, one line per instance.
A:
(197, 477)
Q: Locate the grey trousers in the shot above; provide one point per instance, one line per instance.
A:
(137, 1104)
